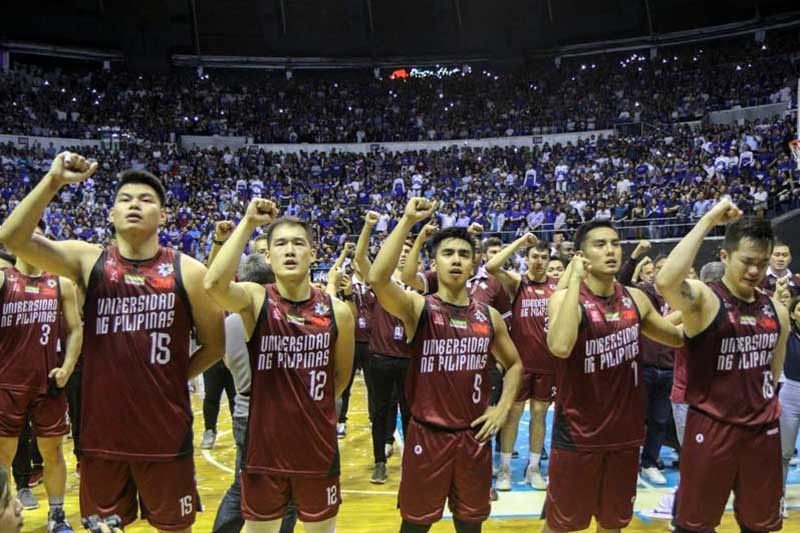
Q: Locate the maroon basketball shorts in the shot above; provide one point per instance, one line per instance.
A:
(439, 465)
(48, 413)
(539, 387)
(166, 491)
(717, 458)
(587, 483)
(267, 496)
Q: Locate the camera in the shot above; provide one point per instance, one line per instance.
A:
(93, 523)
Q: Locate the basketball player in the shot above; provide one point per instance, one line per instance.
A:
(453, 338)
(555, 268)
(595, 327)
(736, 339)
(31, 378)
(10, 507)
(300, 341)
(529, 294)
(388, 358)
(142, 300)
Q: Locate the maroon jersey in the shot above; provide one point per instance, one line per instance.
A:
(483, 287)
(448, 377)
(770, 280)
(292, 424)
(29, 330)
(136, 359)
(529, 324)
(654, 353)
(728, 373)
(388, 335)
(364, 299)
(678, 393)
(599, 402)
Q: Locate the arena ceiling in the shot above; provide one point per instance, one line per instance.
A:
(151, 31)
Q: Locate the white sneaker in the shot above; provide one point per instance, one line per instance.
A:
(341, 430)
(653, 475)
(503, 479)
(535, 478)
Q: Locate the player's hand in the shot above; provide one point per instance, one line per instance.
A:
(642, 247)
(427, 231)
(529, 239)
(348, 248)
(491, 421)
(223, 230)
(724, 212)
(580, 268)
(60, 375)
(418, 209)
(475, 229)
(68, 167)
(372, 218)
(346, 285)
(261, 211)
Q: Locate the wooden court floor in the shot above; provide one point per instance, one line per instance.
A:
(365, 507)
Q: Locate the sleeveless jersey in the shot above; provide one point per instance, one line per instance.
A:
(136, 359)
(529, 324)
(654, 353)
(728, 373)
(483, 287)
(678, 393)
(30, 319)
(364, 299)
(388, 335)
(599, 403)
(448, 376)
(292, 424)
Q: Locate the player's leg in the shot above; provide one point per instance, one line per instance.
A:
(618, 489)
(267, 526)
(408, 527)
(229, 513)
(55, 474)
(789, 422)
(508, 437)
(574, 490)
(8, 449)
(759, 484)
(382, 383)
(230, 388)
(213, 383)
(325, 526)
(467, 527)
(538, 428)
(73, 390)
(107, 488)
(23, 468)
(401, 371)
(167, 493)
(469, 498)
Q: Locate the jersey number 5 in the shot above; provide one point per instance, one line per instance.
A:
(159, 348)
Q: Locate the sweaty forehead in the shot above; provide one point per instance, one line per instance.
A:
(136, 189)
(289, 232)
(604, 234)
(455, 244)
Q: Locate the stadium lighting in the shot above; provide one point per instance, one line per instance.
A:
(46, 83)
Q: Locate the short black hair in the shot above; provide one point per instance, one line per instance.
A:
(540, 246)
(559, 259)
(451, 233)
(7, 257)
(145, 178)
(291, 221)
(489, 242)
(260, 237)
(584, 229)
(781, 242)
(756, 229)
(254, 268)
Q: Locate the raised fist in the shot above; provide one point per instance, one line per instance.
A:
(223, 230)
(68, 167)
(372, 218)
(580, 267)
(530, 240)
(261, 211)
(475, 228)
(642, 247)
(723, 212)
(348, 248)
(418, 209)
(428, 230)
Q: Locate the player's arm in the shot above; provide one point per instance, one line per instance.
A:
(779, 354)
(638, 270)
(219, 280)
(654, 326)
(508, 279)
(361, 255)
(628, 269)
(692, 297)
(222, 232)
(411, 275)
(209, 320)
(564, 311)
(345, 346)
(405, 305)
(335, 272)
(74, 337)
(65, 258)
(506, 354)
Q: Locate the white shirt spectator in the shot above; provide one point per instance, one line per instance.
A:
(383, 223)
(623, 186)
(448, 220)
(746, 159)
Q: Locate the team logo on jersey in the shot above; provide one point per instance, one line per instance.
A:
(320, 309)
(611, 316)
(438, 319)
(31, 289)
(480, 317)
(417, 450)
(540, 292)
(747, 320)
(165, 269)
(627, 303)
(295, 319)
(458, 323)
(52, 283)
(767, 311)
(135, 279)
(483, 285)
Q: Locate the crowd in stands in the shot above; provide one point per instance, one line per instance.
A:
(653, 187)
(595, 92)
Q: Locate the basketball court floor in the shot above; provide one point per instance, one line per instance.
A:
(372, 508)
